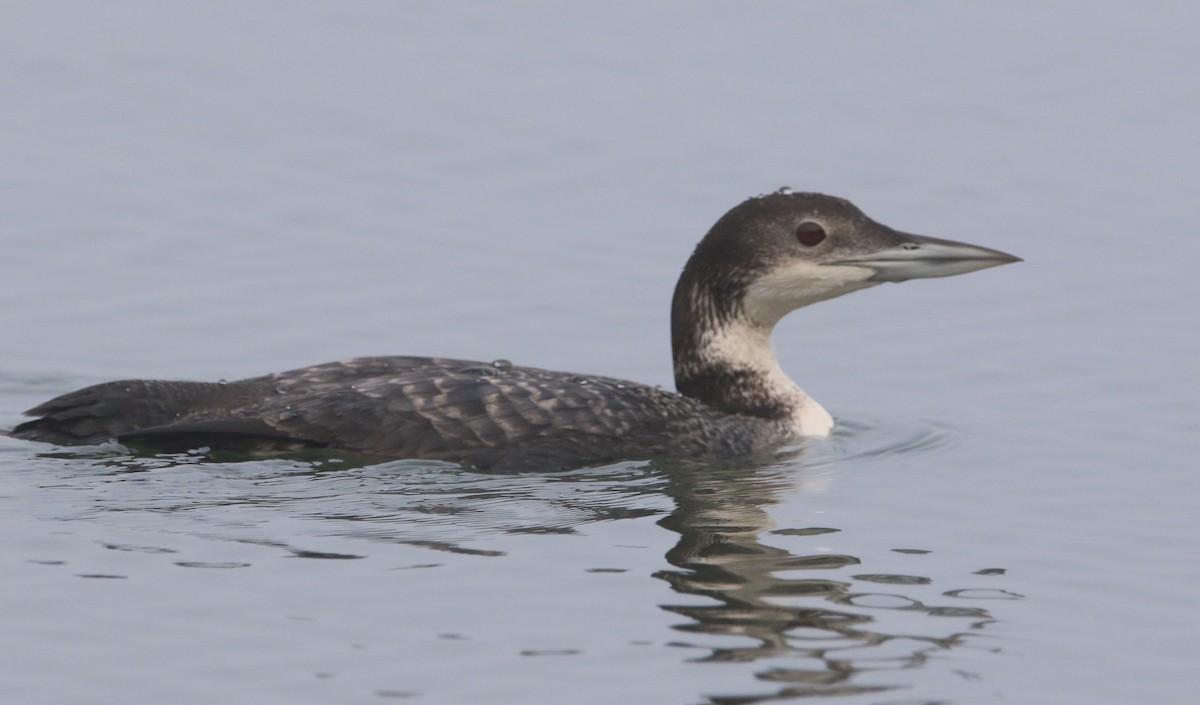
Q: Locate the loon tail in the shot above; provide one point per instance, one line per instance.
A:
(168, 412)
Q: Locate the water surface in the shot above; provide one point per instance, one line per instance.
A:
(1006, 513)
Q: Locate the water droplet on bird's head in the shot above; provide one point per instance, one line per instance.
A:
(502, 364)
(784, 191)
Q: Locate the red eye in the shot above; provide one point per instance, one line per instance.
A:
(810, 234)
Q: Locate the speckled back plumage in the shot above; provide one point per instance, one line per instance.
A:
(493, 416)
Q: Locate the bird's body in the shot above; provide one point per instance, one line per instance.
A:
(766, 257)
(495, 415)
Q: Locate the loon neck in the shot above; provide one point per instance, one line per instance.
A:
(725, 360)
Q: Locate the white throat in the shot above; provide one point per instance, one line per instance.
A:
(745, 341)
(797, 284)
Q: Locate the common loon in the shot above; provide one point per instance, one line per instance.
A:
(764, 258)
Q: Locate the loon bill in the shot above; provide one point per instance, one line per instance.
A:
(763, 259)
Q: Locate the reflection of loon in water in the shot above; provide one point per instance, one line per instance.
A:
(766, 257)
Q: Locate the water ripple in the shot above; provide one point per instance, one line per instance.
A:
(867, 439)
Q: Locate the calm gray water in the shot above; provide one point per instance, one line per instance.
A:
(212, 190)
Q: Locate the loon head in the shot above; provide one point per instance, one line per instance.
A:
(773, 254)
(767, 257)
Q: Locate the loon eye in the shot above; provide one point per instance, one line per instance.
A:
(810, 234)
